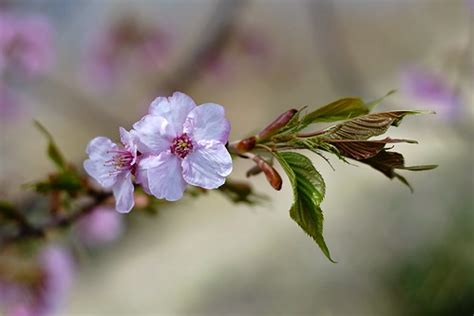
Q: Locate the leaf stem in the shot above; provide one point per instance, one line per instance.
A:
(312, 134)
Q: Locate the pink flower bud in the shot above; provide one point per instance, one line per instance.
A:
(273, 177)
(277, 124)
(246, 144)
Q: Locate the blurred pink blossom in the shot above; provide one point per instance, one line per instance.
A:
(126, 43)
(59, 270)
(250, 45)
(432, 91)
(42, 296)
(470, 4)
(255, 45)
(219, 67)
(26, 44)
(103, 225)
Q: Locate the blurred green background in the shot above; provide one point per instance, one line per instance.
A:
(398, 253)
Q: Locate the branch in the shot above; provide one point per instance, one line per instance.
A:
(28, 231)
(216, 36)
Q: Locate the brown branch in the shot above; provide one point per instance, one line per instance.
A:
(333, 48)
(28, 231)
(216, 36)
(241, 192)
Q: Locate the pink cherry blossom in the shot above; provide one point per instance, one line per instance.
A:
(59, 270)
(113, 166)
(102, 226)
(182, 144)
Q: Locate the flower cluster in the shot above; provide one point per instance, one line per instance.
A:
(176, 144)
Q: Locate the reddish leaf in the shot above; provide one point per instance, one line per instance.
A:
(363, 149)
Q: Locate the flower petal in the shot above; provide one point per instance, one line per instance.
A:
(154, 134)
(127, 138)
(208, 165)
(104, 175)
(207, 122)
(99, 147)
(174, 109)
(100, 150)
(141, 176)
(129, 141)
(164, 175)
(123, 193)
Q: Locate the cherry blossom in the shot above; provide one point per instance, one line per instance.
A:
(182, 144)
(113, 167)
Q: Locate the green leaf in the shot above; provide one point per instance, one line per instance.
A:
(53, 151)
(68, 181)
(7, 209)
(364, 127)
(9, 212)
(372, 104)
(308, 190)
(342, 109)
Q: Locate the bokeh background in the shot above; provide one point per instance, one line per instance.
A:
(398, 253)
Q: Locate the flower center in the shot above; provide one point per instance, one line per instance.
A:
(181, 146)
(121, 160)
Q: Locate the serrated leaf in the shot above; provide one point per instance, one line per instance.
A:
(308, 191)
(53, 151)
(364, 127)
(364, 149)
(342, 109)
(388, 161)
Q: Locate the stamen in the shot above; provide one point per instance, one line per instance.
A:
(121, 160)
(182, 146)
